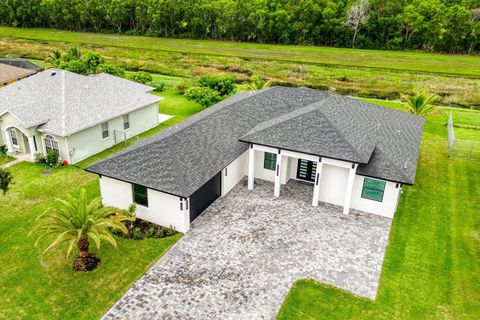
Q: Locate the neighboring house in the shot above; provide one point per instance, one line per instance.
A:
(10, 74)
(355, 154)
(75, 115)
(21, 63)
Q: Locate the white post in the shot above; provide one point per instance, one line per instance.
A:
(31, 144)
(278, 170)
(251, 167)
(316, 187)
(348, 195)
(8, 141)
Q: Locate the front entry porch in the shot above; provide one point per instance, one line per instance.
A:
(19, 143)
(336, 189)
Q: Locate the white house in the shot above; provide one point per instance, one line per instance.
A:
(73, 114)
(354, 154)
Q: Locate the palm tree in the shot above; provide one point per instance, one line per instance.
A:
(54, 58)
(76, 222)
(421, 103)
(257, 83)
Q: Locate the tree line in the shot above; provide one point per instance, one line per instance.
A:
(434, 25)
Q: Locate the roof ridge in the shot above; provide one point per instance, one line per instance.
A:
(173, 156)
(287, 116)
(341, 135)
(63, 107)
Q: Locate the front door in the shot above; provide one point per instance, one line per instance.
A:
(306, 170)
(26, 144)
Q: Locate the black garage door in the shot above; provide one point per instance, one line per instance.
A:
(205, 196)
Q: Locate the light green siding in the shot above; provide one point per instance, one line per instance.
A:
(89, 141)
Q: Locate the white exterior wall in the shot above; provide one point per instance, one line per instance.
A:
(88, 142)
(385, 208)
(163, 209)
(267, 174)
(333, 183)
(234, 172)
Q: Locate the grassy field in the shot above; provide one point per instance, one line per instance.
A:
(397, 60)
(431, 265)
(365, 73)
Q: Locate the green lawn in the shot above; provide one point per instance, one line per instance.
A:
(431, 269)
(5, 159)
(35, 287)
(364, 73)
(398, 60)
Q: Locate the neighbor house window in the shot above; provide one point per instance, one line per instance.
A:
(373, 189)
(270, 161)
(126, 122)
(140, 195)
(105, 132)
(13, 137)
(51, 144)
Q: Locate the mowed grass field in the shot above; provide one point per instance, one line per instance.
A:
(364, 73)
(396, 60)
(431, 268)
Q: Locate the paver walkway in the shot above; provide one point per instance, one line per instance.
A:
(243, 254)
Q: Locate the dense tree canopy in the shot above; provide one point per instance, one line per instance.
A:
(434, 25)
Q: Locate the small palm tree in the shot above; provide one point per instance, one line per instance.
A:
(54, 58)
(257, 83)
(421, 103)
(76, 222)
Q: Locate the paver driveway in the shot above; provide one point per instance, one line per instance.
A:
(243, 254)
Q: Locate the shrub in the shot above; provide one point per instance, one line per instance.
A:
(3, 150)
(141, 77)
(77, 66)
(150, 233)
(159, 86)
(223, 85)
(92, 60)
(137, 233)
(39, 158)
(182, 86)
(52, 158)
(5, 180)
(111, 69)
(204, 96)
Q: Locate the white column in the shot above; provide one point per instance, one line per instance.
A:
(8, 141)
(348, 195)
(278, 170)
(316, 187)
(31, 144)
(251, 167)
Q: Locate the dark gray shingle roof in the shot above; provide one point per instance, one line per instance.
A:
(182, 158)
(21, 63)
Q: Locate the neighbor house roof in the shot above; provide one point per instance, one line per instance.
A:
(182, 158)
(9, 73)
(62, 102)
(21, 63)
